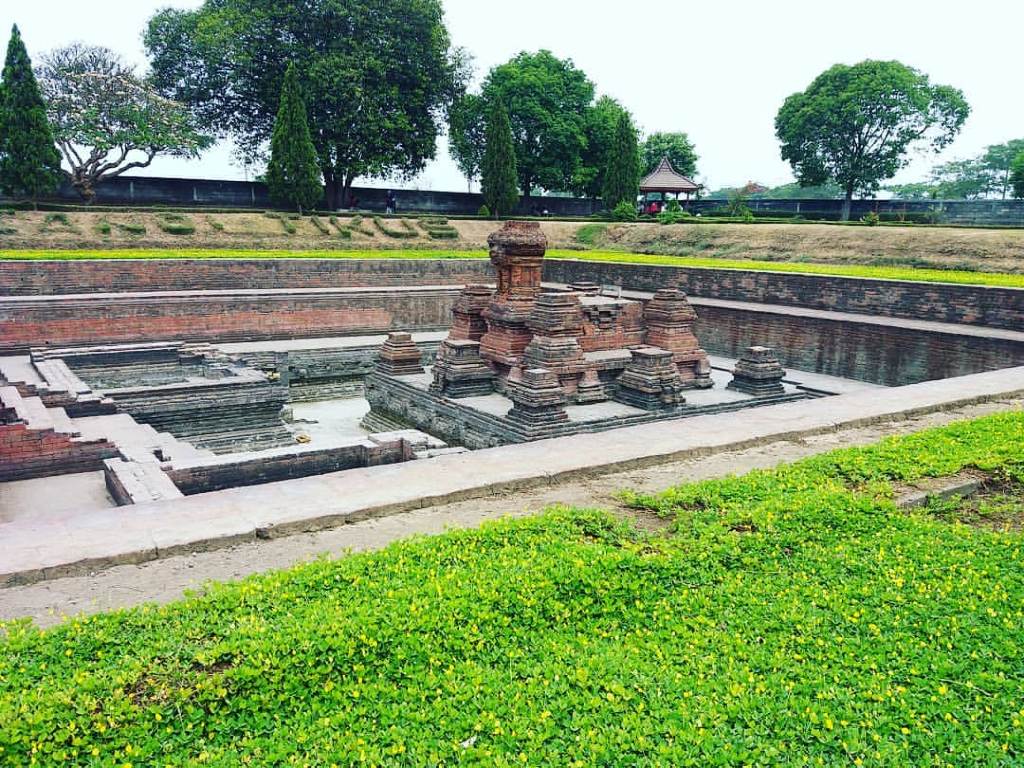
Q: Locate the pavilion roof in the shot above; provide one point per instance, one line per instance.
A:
(665, 178)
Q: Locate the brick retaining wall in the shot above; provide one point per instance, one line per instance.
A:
(27, 453)
(882, 353)
(937, 302)
(37, 278)
(202, 316)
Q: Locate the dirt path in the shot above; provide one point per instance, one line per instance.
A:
(165, 580)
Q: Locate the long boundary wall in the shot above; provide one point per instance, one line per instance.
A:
(151, 190)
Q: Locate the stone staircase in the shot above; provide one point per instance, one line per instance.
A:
(53, 383)
(138, 482)
(37, 441)
(137, 441)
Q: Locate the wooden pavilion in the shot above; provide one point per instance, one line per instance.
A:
(665, 180)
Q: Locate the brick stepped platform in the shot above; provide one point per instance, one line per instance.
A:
(239, 413)
(139, 442)
(476, 423)
(36, 441)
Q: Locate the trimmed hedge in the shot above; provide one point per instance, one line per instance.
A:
(405, 233)
(175, 224)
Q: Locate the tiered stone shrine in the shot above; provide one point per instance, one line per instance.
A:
(556, 323)
(758, 373)
(651, 381)
(670, 320)
(467, 314)
(517, 253)
(459, 370)
(399, 356)
(525, 362)
(538, 400)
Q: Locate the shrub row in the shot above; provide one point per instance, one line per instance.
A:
(406, 232)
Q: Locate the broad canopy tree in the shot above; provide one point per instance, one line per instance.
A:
(677, 147)
(379, 77)
(29, 161)
(855, 124)
(107, 120)
(968, 179)
(998, 159)
(600, 125)
(547, 99)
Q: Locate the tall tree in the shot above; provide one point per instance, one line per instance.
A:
(379, 77)
(467, 134)
(622, 177)
(499, 164)
(29, 161)
(599, 126)
(1017, 176)
(962, 180)
(293, 173)
(107, 120)
(998, 158)
(855, 124)
(677, 147)
(547, 99)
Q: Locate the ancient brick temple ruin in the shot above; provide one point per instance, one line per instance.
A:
(525, 361)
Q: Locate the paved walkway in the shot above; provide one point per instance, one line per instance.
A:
(166, 579)
(52, 548)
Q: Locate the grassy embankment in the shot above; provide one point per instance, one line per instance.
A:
(963, 249)
(791, 617)
(850, 270)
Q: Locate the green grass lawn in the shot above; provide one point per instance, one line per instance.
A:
(849, 270)
(792, 617)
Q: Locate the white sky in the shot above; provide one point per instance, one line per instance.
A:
(718, 71)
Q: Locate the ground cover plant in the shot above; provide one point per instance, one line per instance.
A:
(791, 617)
(999, 508)
(966, 277)
(175, 224)
(57, 222)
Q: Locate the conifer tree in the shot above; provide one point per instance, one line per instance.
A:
(293, 174)
(29, 160)
(622, 178)
(498, 171)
